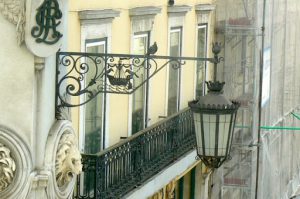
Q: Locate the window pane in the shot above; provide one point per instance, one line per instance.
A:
(138, 101)
(198, 129)
(209, 124)
(223, 133)
(201, 52)
(93, 109)
(173, 88)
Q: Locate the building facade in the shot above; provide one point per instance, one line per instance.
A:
(131, 28)
(185, 29)
(40, 145)
(39, 154)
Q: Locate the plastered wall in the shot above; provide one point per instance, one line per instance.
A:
(17, 83)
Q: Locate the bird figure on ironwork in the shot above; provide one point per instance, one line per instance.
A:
(152, 49)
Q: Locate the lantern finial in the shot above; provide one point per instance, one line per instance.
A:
(215, 86)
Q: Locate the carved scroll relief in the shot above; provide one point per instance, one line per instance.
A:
(14, 12)
(7, 167)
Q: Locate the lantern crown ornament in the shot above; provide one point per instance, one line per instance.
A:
(213, 100)
(214, 119)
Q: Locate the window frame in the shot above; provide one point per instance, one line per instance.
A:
(204, 90)
(82, 111)
(172, 30)
(145, 87)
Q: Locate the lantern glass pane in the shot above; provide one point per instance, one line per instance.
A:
(197, 123)
(209, 123)
(224, 124)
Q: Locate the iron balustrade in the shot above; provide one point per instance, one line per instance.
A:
(117, 170)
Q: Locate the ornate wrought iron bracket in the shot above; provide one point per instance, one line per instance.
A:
(85, 75)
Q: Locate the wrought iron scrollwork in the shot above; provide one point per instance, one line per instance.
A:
(47, 19)
(85, 75)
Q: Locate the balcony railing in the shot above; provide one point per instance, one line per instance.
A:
(119, 169)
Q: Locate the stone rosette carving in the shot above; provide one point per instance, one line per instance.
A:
(68, 160)
(14, 12)
(7, 167)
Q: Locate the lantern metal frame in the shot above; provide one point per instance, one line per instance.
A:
(214, 103)
(217, 110)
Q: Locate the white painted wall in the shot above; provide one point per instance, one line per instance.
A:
(27, 107)
(16, 83)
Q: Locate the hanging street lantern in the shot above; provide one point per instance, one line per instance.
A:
(214, 120)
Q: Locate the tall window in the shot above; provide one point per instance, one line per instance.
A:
(94, 113)
(201, 66)
(174, 74)
(140, 96)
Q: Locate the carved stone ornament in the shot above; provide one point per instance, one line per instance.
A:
(14, 12)
(170, 190)
(68, 160)
(7, 167)
(63, 112)
(63, 159)
(15, 165)
(158, 195)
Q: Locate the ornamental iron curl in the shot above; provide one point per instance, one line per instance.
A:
(85, 75)
(46, 18)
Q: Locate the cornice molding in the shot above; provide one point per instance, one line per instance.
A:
(205, 7)
(90, 16)
(182, 9)
(141, 11)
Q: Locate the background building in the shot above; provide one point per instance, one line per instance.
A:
(248, 47)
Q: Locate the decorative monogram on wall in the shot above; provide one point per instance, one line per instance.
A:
(48, 19)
